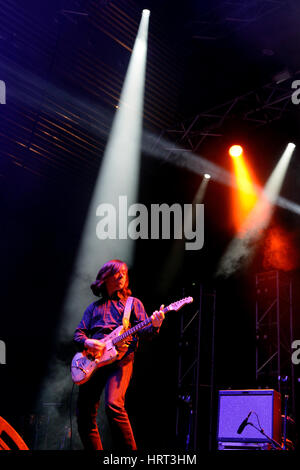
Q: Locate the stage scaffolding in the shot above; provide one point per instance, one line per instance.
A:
(195, 408)
(257, 108)
(274, 334)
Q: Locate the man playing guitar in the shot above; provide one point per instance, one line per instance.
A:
(100, 319)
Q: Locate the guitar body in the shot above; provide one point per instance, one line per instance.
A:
(84, 364)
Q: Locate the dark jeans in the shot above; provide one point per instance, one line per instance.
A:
(115, 379)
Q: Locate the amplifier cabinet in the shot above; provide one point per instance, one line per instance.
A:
(235, 405)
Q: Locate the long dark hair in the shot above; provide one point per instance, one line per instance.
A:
(111, 267)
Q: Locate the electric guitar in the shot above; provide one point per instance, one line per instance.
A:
(84, 363)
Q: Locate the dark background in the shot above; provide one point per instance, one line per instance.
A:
(63, 74)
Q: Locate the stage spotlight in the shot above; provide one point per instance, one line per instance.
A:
(157, 147)
(244, 194)
(242, 247)
(118, 178)
(275, 181)
(235, 151)
(175, 259)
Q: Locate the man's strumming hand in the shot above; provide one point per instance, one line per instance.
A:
(94, 346)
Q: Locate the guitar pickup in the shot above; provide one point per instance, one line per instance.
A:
(80, 368)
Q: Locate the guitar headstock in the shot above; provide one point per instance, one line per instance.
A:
(180, 303)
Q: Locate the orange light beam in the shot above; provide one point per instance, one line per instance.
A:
(244, 195)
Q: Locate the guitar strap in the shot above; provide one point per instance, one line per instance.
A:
(127, 312)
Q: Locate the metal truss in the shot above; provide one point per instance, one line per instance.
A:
(258, 108)
(194, 417)
(274, 333)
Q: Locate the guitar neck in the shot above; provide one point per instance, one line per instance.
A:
(135, 328)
